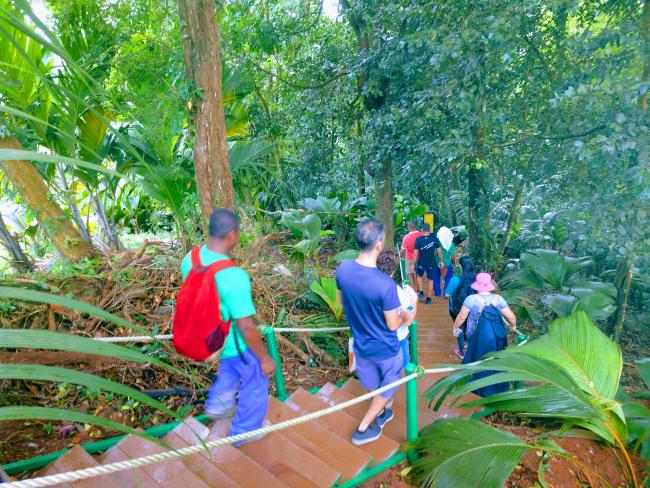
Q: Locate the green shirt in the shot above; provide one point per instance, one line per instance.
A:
(235, 298)
(446, 255)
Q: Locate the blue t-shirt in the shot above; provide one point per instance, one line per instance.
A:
(367, 293)
(451, 288)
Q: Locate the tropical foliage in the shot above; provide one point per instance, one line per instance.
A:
(572, 373)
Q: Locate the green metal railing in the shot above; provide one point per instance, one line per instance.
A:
(412, 429)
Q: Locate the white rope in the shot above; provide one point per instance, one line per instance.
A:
(147, 338)
(309, 329)
(169, 337)
(105, 469)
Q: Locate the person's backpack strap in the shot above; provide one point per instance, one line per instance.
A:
(196, 256)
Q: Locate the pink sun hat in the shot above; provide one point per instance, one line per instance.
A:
(483, 282)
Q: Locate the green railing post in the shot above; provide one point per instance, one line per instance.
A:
(411, 409)
(413, 341)
(272, 345)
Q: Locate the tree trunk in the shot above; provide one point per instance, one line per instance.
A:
(479, 206)
(18, 259)
(384, 192)
(112, 239)
(645, 40)
(202, 55)
(623, 282)
(70, 200)
(56, 224)
(361, 171)
(512, 217)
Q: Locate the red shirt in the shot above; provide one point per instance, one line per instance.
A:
(408, 242)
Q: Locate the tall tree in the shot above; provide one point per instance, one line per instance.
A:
(55, 223)
(202, 55)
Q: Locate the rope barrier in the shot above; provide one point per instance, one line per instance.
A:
(169, 337)
(105, 469)
(161, 337)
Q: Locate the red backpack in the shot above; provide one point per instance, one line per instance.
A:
(199, 330)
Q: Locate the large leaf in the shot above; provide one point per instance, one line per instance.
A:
(573, 374)
(21, 155)
(459, 453)
(322, 204)
(328, 292)
(37, 372)
(45, 339)
(347, 254)
(308, 226)
(47, 413)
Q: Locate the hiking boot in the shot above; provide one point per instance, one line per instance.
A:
(421, 297)
(372, 433)
(266, 423)
(429, 301)
(384, 417)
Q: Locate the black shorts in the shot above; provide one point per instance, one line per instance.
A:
(420, 270)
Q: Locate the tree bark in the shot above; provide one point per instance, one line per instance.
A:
(645, 43)
(72, 204)
(512, 217)
(108, 228)
(202, 56)
(384, 192)
(19, 260)
(361, 171)
(56, 224)
(624, 272)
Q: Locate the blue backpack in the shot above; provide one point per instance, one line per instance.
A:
(490, 336)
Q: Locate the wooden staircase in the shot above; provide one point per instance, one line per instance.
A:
(316, 454)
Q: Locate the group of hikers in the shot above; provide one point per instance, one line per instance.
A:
(377, 309)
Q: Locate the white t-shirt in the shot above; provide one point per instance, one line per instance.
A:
(407, 298)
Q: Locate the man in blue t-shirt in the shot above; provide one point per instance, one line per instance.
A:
(373, 311)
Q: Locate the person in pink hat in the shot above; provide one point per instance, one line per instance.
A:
(474, 305)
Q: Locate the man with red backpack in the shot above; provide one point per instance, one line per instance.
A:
(212, 281)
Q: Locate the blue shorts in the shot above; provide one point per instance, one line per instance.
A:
(374, 374)
(430, 271)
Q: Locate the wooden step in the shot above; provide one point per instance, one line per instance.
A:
(395, 429)
(287, 461)
(425, 417)
(342, 423)
(171, 473)
(77, 458)
(130, 478)
(338, 453)
(201, 464)
(48, 470)
(237, 465)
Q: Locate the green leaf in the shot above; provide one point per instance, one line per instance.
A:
(36, 372)
(345, 255)
(459, 453)
(47, 413)
(45, 339)
(328, 292)
(21, 155)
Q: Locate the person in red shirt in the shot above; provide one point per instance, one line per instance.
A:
(408, 243)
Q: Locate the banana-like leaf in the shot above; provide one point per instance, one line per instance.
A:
(45, 339)
(464, 453)
(38, 372)
(27, 295)
(328, 292)
(574, 369)
(47, 413)
(347, 254)
(20, 155)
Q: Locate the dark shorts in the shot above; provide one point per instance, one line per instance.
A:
(430, 271)
(374, 374)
